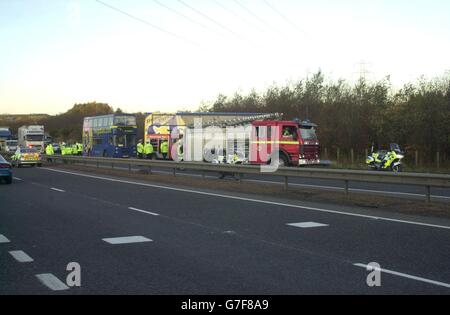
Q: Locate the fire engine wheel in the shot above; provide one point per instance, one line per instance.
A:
(281, 161)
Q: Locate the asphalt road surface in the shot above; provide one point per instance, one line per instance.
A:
(135, 237)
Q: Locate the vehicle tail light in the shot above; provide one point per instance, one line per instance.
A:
(5, 166)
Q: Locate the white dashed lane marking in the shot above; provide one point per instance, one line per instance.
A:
(21, 256)
(56, 189)
(307, 224)
(17, 178)
(52, 282)
(143, 211)
(3, 239)
(126, 240)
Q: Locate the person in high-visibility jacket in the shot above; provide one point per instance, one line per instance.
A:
(79, 148)
(148, 150)
(49, 151)
(74, 149)
(164, 148)
(63, 149)
(140, 149)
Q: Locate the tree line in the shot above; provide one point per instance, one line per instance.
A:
(355, 116)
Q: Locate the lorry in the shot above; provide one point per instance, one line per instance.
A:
(247, 138)
(5, 135)
(31, 136)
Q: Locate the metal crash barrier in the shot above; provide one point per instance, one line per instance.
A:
(415, 179)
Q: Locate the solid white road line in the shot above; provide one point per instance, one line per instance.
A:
(3, 239)
(17, 178)
(52, 282)
(251, 199)
(395, 193)
(404, 275)
(56, 189)
(139, 210)
(21, 256)
(307, 224)
(126, 240)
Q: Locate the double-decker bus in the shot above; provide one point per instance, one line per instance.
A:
(110, 136)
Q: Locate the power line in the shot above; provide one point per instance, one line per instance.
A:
(257, 17)
(186, 17)
(147, 23)
(284, 17)
(237, 15)
(210, 19)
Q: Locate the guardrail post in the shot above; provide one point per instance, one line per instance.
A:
(97, 164)
(129, 168)
(174, 171)
(352, 156)
(346, 187)
(112, 165)
(417, 158)
(149, 169)
(337, 154)
(203, 174)
(428, 194)
(437, 159)
(286, 183)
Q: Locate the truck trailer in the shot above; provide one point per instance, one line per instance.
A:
(5, 135)
(31, 136)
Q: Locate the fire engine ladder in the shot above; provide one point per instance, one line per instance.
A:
(241, 120)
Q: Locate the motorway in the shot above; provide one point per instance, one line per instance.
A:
(136, 237)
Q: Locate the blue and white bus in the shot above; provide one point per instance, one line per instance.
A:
(110, 136)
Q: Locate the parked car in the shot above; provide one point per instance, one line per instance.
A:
(5, 170)
(26, 156)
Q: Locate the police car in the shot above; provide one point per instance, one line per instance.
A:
(26, 156)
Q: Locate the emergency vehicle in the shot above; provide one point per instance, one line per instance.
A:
(247, 138)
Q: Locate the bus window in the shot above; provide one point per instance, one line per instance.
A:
(131, 140)
(124, 121)
(120, 141)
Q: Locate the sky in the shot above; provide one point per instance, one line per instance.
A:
(169, 55)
